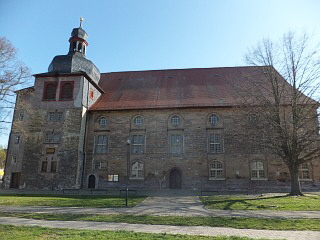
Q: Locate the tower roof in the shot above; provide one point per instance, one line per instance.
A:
(75, 60)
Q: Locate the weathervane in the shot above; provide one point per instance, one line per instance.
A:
(81, 20)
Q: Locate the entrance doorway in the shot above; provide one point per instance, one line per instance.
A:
(92, 181)
(15, 179)
(175, 179)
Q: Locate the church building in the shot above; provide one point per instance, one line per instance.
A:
(77, 128)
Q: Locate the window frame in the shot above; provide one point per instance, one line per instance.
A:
(216, 122)
(175, 120)
(103, 145)
(304, 168)
(45, 91)
(140, 146)
(61, 93)
(216, 169)
(44, 166)
(139, 172)
(215, 147)
(255, 171)
(52, 137)
(105, 120)
(173, 146)
(140, 123)
(113, 177)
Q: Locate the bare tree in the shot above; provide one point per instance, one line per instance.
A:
(283, 93)
(13, 75)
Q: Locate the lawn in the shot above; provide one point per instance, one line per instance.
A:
(68, 201)
(232, 222)
(38, 233)
(301, 203)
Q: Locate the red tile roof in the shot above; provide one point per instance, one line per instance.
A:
(172, 88)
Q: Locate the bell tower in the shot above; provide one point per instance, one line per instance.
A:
(54, 148)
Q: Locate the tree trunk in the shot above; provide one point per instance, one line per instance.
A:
(295, 184)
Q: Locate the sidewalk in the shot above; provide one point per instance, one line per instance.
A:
(167, 206)
(199, 230)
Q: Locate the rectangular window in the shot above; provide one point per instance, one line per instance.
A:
(53, 166)
(44, 166)
(100, 165)
(59, 117)
(21, 116)
(17, 139)
(55, 117)
(53, 137)
(215, 143)
(176, 143)
(113, 178)
(51, 117)
(138, 144)
(101, 144)
(14, 159)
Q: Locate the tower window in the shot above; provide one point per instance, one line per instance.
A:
(66, 91)
(50, 91)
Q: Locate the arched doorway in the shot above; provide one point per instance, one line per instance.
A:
(92, 181)
(175, 179)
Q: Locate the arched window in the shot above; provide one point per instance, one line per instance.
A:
(138, 121)
(257, 170)
(50, 91)
(215, 170)
(213, 119)
(66, 91)
(102, 121)
(175, 121)
(304, 171)
(137, 170)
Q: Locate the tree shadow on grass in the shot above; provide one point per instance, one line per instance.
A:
(244, 202)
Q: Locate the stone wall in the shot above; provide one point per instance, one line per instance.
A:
(193, 163)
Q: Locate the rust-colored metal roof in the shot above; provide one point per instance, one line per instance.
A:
(176, 88)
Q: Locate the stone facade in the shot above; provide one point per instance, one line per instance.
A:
(193, 163)
(154, 129)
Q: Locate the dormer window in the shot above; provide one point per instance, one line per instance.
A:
(66, 91)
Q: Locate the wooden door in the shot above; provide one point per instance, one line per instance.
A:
(92, 181)
(175, 179)
(15, 179)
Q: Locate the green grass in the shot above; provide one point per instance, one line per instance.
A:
(233, 222)
(306, 203)
(38, 233)
(68, 201)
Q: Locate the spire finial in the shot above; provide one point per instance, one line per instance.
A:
(81, 20)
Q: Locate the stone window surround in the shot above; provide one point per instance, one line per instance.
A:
(257, 170)
(102, 121)
(177, 147)
(138, 121)
(101, 141)
(305, 168)
(214, 119)
(69, 95)
(54, 84)
(52, 137)
(138, 143)
(216, 168)
(55, 116)
(49, 161)
(139, 171)
(213, 143)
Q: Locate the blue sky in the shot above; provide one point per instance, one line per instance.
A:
(129, 35)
